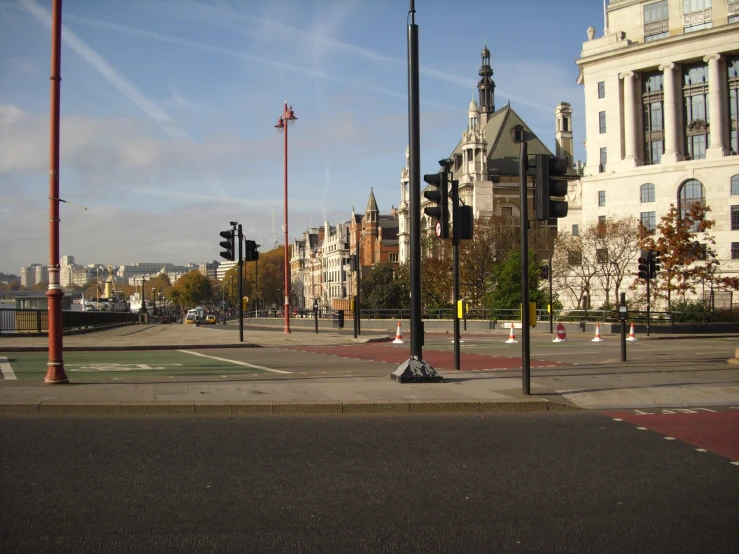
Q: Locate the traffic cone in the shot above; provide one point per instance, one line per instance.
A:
(632, 336)
(398, 336)
(512, 335)
(597, 334)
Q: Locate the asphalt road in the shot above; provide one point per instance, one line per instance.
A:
(551, 482)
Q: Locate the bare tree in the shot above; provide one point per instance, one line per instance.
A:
(616, 244)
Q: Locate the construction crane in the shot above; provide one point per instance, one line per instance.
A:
(274, 233)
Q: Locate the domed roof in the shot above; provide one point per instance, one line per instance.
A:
(485, 51)
(473, 104)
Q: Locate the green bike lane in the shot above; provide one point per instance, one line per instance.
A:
(120, 365)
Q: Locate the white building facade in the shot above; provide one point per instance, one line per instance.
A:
(662, 117)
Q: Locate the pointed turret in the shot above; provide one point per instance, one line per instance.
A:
(486, 87)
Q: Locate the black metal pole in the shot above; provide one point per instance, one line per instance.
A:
(551, 303)
(357, 306)
(456, 230)
(241, 287)
(256, 288)
(525, 361)
(414, 170)
(649, 301)
(623, 328)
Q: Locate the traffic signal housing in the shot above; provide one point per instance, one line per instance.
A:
(544, 272)
(439, 195)
(654, 266)
(228, 245)
(644, 268)
(548, 186)
(250, 251)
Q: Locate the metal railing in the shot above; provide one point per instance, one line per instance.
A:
(37, 321)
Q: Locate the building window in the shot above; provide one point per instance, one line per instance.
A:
(601, 220)
(735, 184)
(575, 230)
(695, 110)
(603, 160)
(647, 193)
(735, 218)
(601, 89)
(507, 212)
(602, 122)
(649, 220)
(601, 255)
(393, 257)
(732, 65)
(601, 198)
(653, 116)
(733, 11)
(735, 250)
(656, 21)
(691, 192)
(574, 257)
(698, 252)
(696, 15)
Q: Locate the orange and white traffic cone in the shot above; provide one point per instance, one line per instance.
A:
(632, 336)
(398, 336)
(512, 335)
(597, 334)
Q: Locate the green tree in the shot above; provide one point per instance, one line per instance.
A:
(382, 291)
(505, 284)
(192, 289)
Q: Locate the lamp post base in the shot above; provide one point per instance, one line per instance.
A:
(414, 370)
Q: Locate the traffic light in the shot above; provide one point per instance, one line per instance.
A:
(644, 268)
(466, 222)
(544, 272)
(250, 251)
(440, 196)
(227, 245)
(546, 187)
(654, 266)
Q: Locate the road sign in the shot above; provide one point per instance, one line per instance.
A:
(561, 334)
(438, 229)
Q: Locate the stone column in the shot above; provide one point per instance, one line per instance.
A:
(630, 156)
(715, 107)
(670, 107)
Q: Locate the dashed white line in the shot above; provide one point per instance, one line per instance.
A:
(701, 450)
(7, 371)
(235, 362)
(617, 419)
(642, 428)
(735, 463)
(669, 438)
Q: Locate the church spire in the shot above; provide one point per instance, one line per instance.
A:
(486, 86)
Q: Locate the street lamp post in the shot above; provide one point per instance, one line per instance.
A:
(154, 300)
(287, 119)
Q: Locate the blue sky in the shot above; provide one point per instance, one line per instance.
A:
(169, 106)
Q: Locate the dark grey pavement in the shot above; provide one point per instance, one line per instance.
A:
(557, 482)
(333, 372)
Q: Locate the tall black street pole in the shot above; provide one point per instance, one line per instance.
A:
(357, 303)
(241, 287)
(525, 361)
(456, 231)
(414, 369)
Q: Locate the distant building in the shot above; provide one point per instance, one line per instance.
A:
(34, 273)
(209, 269)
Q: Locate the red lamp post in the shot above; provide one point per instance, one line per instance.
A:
(55, 366)
(287, 119)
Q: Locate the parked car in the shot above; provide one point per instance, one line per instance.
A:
(210, 320)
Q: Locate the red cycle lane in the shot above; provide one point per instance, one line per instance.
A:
(438, 359)
(717, 431)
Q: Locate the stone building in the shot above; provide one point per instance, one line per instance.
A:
(662, 116)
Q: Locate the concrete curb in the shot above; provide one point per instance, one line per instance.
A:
(261, 408)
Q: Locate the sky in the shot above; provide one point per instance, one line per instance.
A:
(168, 110)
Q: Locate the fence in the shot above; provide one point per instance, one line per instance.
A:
(37, 321)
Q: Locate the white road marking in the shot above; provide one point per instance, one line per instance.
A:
(617, 419)
(642, 428)
(234, 362)
(700, 450)
(735, 463)
(669, 438)
(8, 373)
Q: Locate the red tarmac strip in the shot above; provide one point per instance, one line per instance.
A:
(717, 431)
(438, 359)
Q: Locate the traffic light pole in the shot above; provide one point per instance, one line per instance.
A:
(525, 357)
(551, 306)
(457, 228)
(241, 286)
(649, 302)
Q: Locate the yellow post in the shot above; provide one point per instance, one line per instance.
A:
(460, 309)
(532, 314)
(244, 302)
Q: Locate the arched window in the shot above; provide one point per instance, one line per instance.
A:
(691, 192)
(735, 184)
(647, 193)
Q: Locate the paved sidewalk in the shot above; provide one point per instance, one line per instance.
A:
(596, 386)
